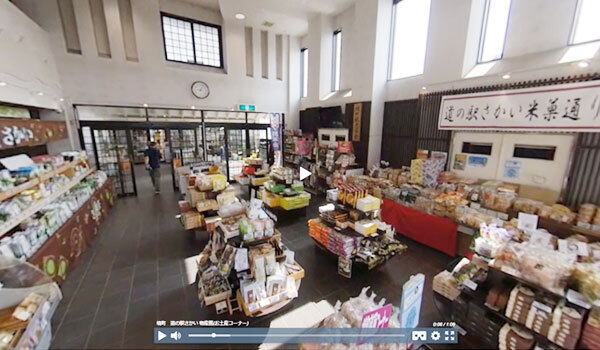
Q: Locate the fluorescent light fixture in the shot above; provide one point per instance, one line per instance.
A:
(480, 70)
(240, 16)
(3, 83)
(583, 64)
(580, 52)
(145, 105)
(40, 93)
(506, 76)
(409, 38)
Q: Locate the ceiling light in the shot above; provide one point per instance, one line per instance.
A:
(2, 83)
(40, 93)
(583, 64)
(61, 99)
(423, 88)
(506, 76)
(193, 107)
(145, 105)
(240, 16)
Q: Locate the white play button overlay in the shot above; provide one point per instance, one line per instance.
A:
(304, 173)
(161, 336)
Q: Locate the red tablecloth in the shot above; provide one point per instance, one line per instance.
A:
(431, 230)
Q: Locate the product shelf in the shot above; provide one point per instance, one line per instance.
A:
(36, 206)
(34, 182)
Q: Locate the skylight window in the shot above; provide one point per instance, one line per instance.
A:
(410, 24)
(493, 31)
(337, 60)
(585, 27)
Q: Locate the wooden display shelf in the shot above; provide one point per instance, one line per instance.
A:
(494, 267)
(271, 306)
(34, 182)
(36, 206)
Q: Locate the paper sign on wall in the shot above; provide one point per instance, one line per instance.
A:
(356, 121)
(460, 161)
(478, 162)
(512, 169)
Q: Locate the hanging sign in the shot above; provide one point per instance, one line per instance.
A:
(356, 121)
(275, 119)
(566, 107)
(32, 132)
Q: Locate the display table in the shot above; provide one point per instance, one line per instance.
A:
(431, 230)
(66, 245)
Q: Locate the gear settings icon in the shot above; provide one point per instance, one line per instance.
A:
(435, 335)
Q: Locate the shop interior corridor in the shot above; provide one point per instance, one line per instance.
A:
(140, 269)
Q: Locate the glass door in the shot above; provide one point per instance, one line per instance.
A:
(139, 138)
(259, 143)
(215, 147)
(160, 137)
(112, 150)
(236, 148)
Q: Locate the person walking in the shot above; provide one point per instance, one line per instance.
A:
(152, 160)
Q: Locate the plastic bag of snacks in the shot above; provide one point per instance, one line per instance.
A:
(526, 205)
(563, 214)
(586, 213)
(203, 182)
(587, 278)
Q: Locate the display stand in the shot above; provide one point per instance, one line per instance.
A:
(284, 198)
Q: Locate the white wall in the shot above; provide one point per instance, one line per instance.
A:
(88, 78)
(26, 62)
(537, 37)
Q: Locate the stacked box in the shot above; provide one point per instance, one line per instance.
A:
(590, 338)
(566, 326)
(519, 304)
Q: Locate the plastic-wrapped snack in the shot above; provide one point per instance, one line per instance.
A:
(526, 205)
(355, 308)
(587, 278)
(563, 214)
(545, 211)
(586, 213)
(423, 203)
(503, 201)
(336, 320)
(226, 261)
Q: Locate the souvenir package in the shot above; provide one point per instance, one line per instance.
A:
(596, 221)
(587, 278)
(354, 309)
(27, 308)
(336, 320)
(547, 268)
(586, 213)
(497, 298)
(416, 171)
(446, 285)
(526, 205)
(590, 337)
(473, 218)
(233, 209)
(431, 171)
(424, 204)
(514, 337)
(566, 326)
(213, 283)
(275, 285)
(219, 182)
(203, 182)
(563, 214)
(226, 261)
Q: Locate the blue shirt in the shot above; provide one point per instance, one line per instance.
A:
(153, 157)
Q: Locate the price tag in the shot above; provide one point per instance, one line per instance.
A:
(527, 222)
(542, 306)
(472, 285)
(578, 299)
(584, 225)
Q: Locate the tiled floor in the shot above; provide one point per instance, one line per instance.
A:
(134, 274)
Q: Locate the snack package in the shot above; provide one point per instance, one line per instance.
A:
(528, 206)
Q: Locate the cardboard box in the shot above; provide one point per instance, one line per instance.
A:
(191, 220)
(195, 196)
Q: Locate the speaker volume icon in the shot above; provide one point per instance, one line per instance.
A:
(176, 335)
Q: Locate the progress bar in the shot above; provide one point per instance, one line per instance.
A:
(229, 335)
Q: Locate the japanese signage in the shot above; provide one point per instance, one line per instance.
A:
(379, 318)
(20, 133)
(356, 121)
(567, 107)
(275, 131)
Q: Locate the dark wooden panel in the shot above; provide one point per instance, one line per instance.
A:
(400, 126)
(361, 148)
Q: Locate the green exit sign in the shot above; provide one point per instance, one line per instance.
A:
(247, 108)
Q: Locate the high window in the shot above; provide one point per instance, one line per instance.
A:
(304, 72)
(585, 26)
(493, 30)
(192, 41)
(410, 23)
(337, 60)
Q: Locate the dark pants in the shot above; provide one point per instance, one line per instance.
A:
(155, 177)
